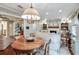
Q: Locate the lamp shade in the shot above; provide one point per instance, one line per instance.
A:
(31, 13)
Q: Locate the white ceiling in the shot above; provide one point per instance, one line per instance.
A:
(52, 9)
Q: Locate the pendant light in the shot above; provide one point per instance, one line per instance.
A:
(31, 14)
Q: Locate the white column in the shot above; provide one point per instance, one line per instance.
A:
(25, 28)
(13, 28)
(7, 28)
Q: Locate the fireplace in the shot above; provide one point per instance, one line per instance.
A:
(52, 31)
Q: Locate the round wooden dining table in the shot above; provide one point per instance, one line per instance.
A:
(21, 45)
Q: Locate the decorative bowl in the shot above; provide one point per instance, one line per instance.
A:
(30, 39)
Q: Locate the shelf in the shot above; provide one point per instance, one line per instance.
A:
(53, 26)
(64, 26)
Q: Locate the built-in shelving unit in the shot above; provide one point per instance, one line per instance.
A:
(64, 26)
(64, 33)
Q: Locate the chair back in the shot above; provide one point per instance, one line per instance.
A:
(46, 50)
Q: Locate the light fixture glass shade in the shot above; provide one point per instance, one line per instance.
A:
(33, 17)
(31, 13)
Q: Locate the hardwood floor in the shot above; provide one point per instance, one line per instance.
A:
(8, 51)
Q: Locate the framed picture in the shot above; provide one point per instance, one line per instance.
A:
(44, 26)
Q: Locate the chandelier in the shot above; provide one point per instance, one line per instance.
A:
(31, 14)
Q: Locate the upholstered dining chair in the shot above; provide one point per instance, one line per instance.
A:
(4, 42)
(45, 36)
(46, 50)
(12, 38)
(54, 46)
(43, 50)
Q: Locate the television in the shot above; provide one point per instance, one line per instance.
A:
(27, 27)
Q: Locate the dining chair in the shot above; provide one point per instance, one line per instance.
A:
(54, 46)
(5, 42)
(45, 36)
(39, 51)
(43, 50)
(46, 49)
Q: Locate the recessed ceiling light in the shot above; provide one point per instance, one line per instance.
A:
(60, 11)
(46, 13)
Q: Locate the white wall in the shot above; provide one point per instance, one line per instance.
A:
(28, 31)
